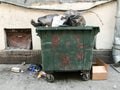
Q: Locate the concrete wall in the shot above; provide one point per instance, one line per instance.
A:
(17, 17)
(104, 17)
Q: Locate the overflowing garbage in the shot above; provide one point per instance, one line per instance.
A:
(44, 21)
(74, 18)
(70, 18)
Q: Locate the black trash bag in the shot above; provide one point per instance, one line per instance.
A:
(74, 18)
(44, 21)
(36, 24)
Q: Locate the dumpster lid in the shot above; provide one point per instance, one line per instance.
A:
(67, 28)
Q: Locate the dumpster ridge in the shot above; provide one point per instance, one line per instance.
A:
(67, 28)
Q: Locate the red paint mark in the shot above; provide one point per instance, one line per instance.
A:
(55, 40)
(80, 57)
(79, 40)
(77, 37)
(68, 43)
(66, 61)
(80, 46)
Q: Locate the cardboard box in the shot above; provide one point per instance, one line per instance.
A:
(99, 70)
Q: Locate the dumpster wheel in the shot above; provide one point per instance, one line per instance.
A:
(50, 78)
(85, 76)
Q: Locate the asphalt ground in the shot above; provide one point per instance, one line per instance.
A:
(28, 80)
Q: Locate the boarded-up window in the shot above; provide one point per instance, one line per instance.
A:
(18, 38)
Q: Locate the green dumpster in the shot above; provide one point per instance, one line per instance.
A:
(67, 48)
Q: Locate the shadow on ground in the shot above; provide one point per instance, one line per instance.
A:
(67, 76)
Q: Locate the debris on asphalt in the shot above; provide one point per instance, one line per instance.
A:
(41, 74)
(22, 71)
(23, 63)
(35, 68)
(16, 69)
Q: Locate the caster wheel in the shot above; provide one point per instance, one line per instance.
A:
(85, 77)
(50, 78)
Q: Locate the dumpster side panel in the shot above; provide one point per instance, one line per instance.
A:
(67, 50)
(47, 54)
(88, 46)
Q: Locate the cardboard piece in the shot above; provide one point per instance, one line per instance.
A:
(99, 70)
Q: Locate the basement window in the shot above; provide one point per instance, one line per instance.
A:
(18, 39)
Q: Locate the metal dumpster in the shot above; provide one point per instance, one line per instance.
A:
(67, 48)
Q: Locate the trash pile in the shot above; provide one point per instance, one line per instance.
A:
(35, 69)
(70, 18)
(41, 74)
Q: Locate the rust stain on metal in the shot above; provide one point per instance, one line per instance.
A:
(77, 37)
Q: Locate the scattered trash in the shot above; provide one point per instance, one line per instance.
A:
(35, 68)
(15, 69)
(50, 78)
(71, 18)
(22, 71)
(47, 77)
(41, 74)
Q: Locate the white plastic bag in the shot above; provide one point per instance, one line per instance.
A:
(57, 21)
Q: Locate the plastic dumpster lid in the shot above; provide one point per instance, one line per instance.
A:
(67, 28)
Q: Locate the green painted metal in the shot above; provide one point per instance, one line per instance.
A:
(67, 48)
